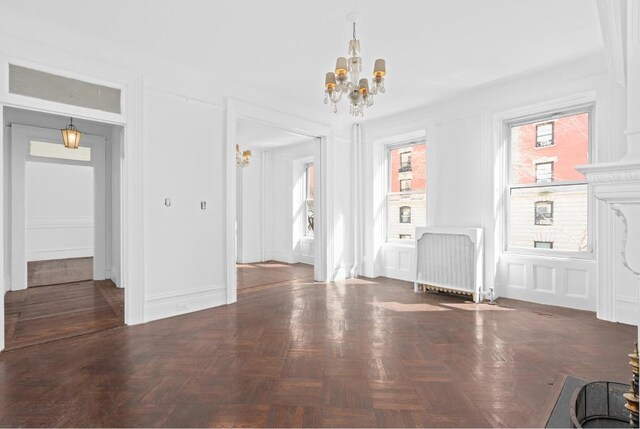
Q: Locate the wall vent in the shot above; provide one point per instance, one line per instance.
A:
(51, 87)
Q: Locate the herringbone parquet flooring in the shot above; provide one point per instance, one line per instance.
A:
(355, 353)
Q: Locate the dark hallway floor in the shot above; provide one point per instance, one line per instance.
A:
(47, 313)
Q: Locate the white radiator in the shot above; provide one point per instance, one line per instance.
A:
(450, 259)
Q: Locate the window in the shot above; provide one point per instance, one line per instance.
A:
(543, 244)
(544, 134)
(548, 197)
(58, 151)
(405, 214)
(405, 161)
(544, 172)
(406, 186)
(543, 213)
(308, 198)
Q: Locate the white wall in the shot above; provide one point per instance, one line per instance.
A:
(463, 164)
(284, 168)
(184, 249)
(344, 200)
(59, 211)
(250, 216)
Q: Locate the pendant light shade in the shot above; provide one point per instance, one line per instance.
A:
(71, 136)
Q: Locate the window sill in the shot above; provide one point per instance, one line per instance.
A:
(410, 245)
(552, 255)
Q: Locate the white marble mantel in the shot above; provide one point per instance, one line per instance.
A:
(618, 184)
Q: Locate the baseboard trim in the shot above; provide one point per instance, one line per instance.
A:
(251, 258)
(280, 256)
(342, 272)
(170, 304)
(64, 253)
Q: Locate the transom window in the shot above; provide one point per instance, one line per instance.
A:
(58, 151)
(546, 194)
(406, 187)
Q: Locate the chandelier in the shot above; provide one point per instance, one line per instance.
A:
(346, 80)
(242, 158)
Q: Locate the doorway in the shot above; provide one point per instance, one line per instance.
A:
(275, 206)
(62, 228)
(324, 264)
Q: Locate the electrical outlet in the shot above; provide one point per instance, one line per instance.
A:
(182, 307)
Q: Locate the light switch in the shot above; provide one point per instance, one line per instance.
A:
(203, 205)
(167, 202)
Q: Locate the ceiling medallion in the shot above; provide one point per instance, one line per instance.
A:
(346, 80)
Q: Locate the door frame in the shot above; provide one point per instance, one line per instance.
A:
(324, 264)
(14, 51)
(21, 136)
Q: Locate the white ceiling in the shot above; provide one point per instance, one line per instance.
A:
(255, 135)
(281, 49)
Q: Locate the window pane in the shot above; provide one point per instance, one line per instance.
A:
(310, 181)
(406, 199)
(556, 214)
(408, 162)
(309, 218)
(58, 151)
(405, 213)
(570, 148)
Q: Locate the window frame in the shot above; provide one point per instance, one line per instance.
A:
(553, 129)
(543, 241)
(421, 140)
(535, 212)
(544, 116)
(405, 180)
(405, 166)
(400, 214)
(537, 164)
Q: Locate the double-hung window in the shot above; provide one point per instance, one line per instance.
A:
(308, 199)
(547, 197)
(406, 190)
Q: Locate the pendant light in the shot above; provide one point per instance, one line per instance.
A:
(71, 136)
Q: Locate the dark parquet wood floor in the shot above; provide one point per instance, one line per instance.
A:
(42, 314)
(355, 353)
(270, 273)
(58, 271)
